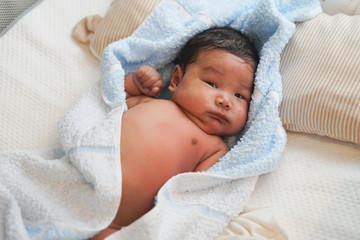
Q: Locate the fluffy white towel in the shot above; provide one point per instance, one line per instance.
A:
(70, 193)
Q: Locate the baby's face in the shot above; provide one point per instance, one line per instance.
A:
(215, 91)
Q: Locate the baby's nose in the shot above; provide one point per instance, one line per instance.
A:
(223, 102)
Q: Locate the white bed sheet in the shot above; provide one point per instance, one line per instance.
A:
(43, 71)
(315, 192)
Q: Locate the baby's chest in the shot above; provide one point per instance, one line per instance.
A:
(185, 141)
(166, 136)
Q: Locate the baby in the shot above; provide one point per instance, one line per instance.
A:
(211, 87)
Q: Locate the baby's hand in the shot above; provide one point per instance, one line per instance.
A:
(148, 81)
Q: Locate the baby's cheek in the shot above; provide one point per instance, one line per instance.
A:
(241, 117)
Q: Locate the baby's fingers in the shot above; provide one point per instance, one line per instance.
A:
(155, 91)
(148, 80)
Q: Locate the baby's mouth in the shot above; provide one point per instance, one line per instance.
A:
(218, 116)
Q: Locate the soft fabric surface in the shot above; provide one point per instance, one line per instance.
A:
(315, 190)
(321, 77)
(121, 20)
(84, 30)
(220, 193)
(42, 72)
(349, 7)
(254, 223)
(71, 193)
(32, 101)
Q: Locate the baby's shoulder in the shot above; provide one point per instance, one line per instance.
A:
(142, 99)
(161, 104)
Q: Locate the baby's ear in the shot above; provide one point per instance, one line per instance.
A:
(175, 78)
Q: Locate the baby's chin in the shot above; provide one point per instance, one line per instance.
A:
(221, 129)
(214, 126)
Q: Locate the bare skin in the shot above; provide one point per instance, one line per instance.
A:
(162, 138)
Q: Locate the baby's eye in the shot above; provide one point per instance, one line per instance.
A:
(211, 84)
(238, 95)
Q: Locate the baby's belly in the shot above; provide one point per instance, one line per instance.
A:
(151, 157)
(159, 142)
(152, 152)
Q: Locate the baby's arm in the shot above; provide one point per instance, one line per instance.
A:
(210, 161)
(145, 81)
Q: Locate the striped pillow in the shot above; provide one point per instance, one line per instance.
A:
(320, 68)
(122, 19)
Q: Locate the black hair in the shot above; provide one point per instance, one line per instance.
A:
(223, 38)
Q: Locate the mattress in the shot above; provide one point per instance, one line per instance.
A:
(313, 194)
(43, 71)
(315, 190)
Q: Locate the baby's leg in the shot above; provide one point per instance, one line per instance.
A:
(104, 233)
